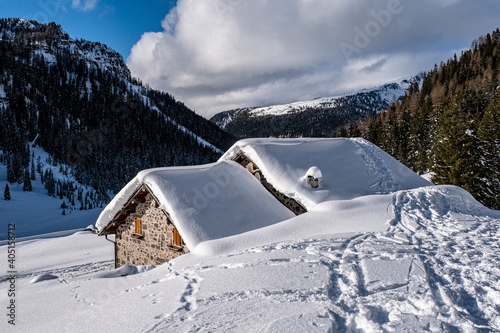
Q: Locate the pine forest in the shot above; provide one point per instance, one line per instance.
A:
(77, 100)
(448, 125)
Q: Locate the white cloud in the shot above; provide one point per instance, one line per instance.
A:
(220, 54)
(85, 5)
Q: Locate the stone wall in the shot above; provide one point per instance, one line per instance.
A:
(155, 246)
(290, 203)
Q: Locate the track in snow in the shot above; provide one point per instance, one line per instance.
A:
(379, 175)
(433, 270)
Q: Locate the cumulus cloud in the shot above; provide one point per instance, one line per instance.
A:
(222, 54)
(84, 5)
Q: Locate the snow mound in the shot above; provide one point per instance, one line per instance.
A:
(314, 172)
(350, 168)
(43, 277)
(437, 203)
(328, 218)
(125, 270)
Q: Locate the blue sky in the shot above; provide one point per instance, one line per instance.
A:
(216, 55)
(118, 24)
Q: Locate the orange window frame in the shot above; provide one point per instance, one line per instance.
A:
(138, 226)
(177, 238)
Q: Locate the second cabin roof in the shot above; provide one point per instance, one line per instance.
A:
(349, 168)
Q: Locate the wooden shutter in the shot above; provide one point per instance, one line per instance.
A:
(138, 226)
(177, 238)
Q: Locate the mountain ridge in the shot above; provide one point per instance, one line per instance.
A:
(77, 101)
(327, 113)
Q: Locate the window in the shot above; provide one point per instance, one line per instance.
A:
(177, 238)
(138, 226)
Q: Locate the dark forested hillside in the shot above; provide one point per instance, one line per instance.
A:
(451, 124)
(316, 118)
(77, 100)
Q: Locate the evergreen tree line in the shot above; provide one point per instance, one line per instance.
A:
(450, 125)
(88, 113)
(77, 196)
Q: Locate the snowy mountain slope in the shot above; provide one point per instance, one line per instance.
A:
(386, 93)
(97, 55)
(36, 212)
(314, 117)
(431, 266)
(78, 98)
(92, 54)
(198, 138)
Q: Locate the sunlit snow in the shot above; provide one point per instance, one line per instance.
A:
(414, 259)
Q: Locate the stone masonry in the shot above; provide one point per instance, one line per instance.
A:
(155, 246)
(290, 203)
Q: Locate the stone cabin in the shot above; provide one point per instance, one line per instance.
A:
(166, 212)
(144, 233)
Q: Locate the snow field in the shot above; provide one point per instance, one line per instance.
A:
(433, 267)
(374, 253)
(458, 245)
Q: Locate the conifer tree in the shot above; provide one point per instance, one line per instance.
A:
(11, 176)
(6, 193)
(50, 183)
(489, 133)
(342, 133)
(353, 131)
(17, 168)
(457, 160)
(403, 139)
(420, 142)
(27, 182)
(33, 171)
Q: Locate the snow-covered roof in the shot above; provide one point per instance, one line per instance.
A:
(222, 199)
(205, 202)
(349, 168)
